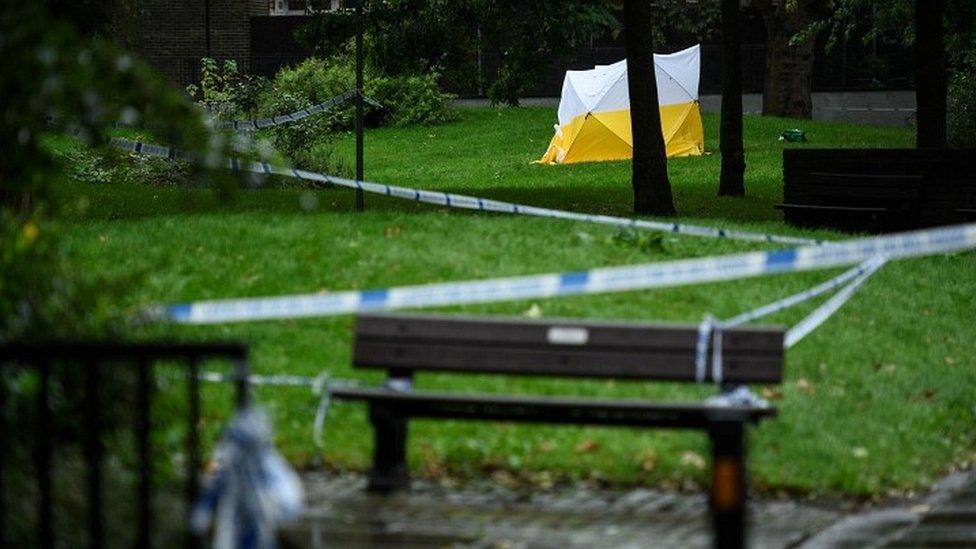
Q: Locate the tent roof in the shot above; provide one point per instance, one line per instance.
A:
(604, 87)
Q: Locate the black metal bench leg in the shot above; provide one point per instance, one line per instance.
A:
(727, 500)
(390, 471)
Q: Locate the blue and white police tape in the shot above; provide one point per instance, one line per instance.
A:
(825, 311)
(470, 202)
(321, 385)
(712, 328)
(796, 299)
(602, 280)
(252, 125)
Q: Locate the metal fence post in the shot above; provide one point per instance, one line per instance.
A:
(360, 197)
(43, 458)
(93, 452)
(142, 428)
(193, 442)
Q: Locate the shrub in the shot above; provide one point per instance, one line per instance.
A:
(407, 99)
(962, 110)
(95, 166)
(224, 92)
(291, 139)
(321, 157)
(411, 99)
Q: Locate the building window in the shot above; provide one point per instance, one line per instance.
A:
(298, 7)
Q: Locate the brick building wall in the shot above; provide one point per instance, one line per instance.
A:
(172, 34)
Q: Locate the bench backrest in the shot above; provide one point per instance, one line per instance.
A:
(404, 344)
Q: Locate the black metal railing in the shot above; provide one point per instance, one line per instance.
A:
(98, 367)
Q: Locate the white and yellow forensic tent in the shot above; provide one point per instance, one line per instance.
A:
(594, 111)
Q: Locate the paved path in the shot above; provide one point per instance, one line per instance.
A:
(486, 515)
(946, 517)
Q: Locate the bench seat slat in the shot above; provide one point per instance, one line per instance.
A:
(536, 409)
(568, 348)
(831, 208)
(508, 331)
(866, 179)
(665, 364)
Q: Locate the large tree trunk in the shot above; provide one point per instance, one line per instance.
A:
(733, 153)
(652, 188)
(789, 67)
(930, 74)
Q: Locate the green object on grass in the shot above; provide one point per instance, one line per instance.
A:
(794, 135)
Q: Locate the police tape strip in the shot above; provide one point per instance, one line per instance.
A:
(796, 299)
(259, 124)
(602, 280)
(712, 329)
(469, 202)
(825, 311)
(321, 385)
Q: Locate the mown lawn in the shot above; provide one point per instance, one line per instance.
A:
(880, 398)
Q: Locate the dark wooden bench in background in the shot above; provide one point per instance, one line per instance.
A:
(406, 344)
(878, 189)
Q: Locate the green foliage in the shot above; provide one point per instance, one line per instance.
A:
(406, 37)
(893, 21)
(291, 139)
(55, 82)
(962, 110)
(113, 167)
(224, 92)
(326, 34)
(406, 99)
(411, 99)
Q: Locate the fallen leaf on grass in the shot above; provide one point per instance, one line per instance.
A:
(434, 466)
(884, 368)
(647, 459)
(534, 311)
(392, 231)
(587, 446)
(804, 385)
(543, 479)
(859, 452)
(691, 459)
(545, 446)
(771, 393)
(506, 479)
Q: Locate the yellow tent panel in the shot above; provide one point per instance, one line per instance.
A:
(594, 111)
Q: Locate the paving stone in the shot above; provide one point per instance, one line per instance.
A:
(342, 514)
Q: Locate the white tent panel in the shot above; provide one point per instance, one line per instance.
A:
(604, 88)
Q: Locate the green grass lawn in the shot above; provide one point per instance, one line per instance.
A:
(880, 398)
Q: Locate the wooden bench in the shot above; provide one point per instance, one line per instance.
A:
(406, 344)
(853, 200)
(878, 189)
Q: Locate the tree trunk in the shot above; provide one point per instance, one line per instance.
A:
(930, 74)
(652, 188)
(733, 153)
(789, 67)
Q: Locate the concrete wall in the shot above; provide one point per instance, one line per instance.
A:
(883, 108)
(873, 108)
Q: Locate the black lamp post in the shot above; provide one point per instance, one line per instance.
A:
(358, 4)
(206, 28)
